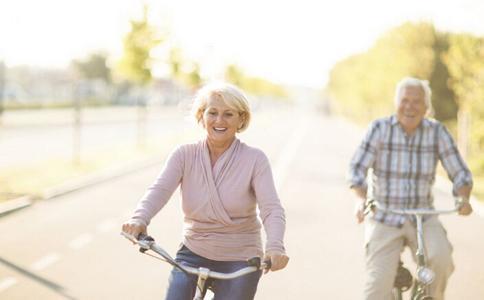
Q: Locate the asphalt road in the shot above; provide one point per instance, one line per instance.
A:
(70, 248)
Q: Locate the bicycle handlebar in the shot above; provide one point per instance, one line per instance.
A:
(418, 211)
(148, 243)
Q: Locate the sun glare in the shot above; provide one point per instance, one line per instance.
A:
(291, 42)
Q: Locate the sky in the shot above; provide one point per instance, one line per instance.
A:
(289, 42)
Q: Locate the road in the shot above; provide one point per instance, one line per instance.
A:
(70, 248)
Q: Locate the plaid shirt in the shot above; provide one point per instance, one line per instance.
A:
(404, 166)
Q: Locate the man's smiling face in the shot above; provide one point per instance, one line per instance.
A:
(411, 109)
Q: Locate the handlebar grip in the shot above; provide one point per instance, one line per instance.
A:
(256, 262)
(144, 237)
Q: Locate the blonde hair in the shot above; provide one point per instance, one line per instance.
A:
(231, 95)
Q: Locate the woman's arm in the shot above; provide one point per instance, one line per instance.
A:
(271, 213)
(158, 194)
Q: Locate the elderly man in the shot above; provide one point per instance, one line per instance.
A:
(403, 151)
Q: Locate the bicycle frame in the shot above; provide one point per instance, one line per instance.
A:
(203, 274)
(424, 275)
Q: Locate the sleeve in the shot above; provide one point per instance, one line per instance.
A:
(365, 156)
(160, 191)
(270, 209)
(452, 161)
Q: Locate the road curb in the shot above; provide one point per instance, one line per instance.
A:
(16, 204)
(98, 177)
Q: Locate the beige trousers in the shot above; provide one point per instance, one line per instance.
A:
(384, 245)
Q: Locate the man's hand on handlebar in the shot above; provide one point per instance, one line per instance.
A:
(465, 208)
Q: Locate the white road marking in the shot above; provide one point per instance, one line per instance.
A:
(107, 225)
(80, 241)
(45, 261)
(6, 283)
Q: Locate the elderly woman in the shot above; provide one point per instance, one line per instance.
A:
(223, 182)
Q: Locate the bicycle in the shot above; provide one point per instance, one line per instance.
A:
(424, 275)
(204, 275)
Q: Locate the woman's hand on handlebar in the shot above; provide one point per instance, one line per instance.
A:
(278, 261)
(133, 228)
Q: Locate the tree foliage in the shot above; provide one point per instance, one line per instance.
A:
(94, 67)
(366, 82)
(465, 60)
(254, 85)
(135, 65)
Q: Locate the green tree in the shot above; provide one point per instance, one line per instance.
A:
(254, 85)
(443, 98)
(234, 74)
(175, 60)
(362, 86)
(136, 63)
(193, 78)
(465, 60)
(94, 67)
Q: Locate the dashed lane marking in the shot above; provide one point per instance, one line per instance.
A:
(107, 225)
(45, 261)
(80, 241)
(6, 283)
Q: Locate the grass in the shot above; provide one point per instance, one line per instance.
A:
(34, 179)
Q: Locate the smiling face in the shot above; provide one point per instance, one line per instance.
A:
(220, 121)
(411, 108)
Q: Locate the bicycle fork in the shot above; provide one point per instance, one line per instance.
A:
(425, 275)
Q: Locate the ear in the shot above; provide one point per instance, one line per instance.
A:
(243, 118)
(201, 119)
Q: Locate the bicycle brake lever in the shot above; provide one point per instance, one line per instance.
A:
(369, 206)
(254, 261)
(268, 264)
(144, 241)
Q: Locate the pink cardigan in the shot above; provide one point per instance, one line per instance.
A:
(220, 204)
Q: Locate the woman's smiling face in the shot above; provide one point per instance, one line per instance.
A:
(220, 121)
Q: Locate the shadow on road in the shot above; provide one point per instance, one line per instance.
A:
(47, 283)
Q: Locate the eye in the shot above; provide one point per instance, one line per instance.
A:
(229, 114)
(212, 113)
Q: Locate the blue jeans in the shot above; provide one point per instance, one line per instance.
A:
(182, 286)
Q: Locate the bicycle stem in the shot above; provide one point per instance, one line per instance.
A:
(420, 241)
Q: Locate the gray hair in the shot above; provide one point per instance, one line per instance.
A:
(414, 82)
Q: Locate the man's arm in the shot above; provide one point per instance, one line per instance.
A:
(457, 170)
(363, 158)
